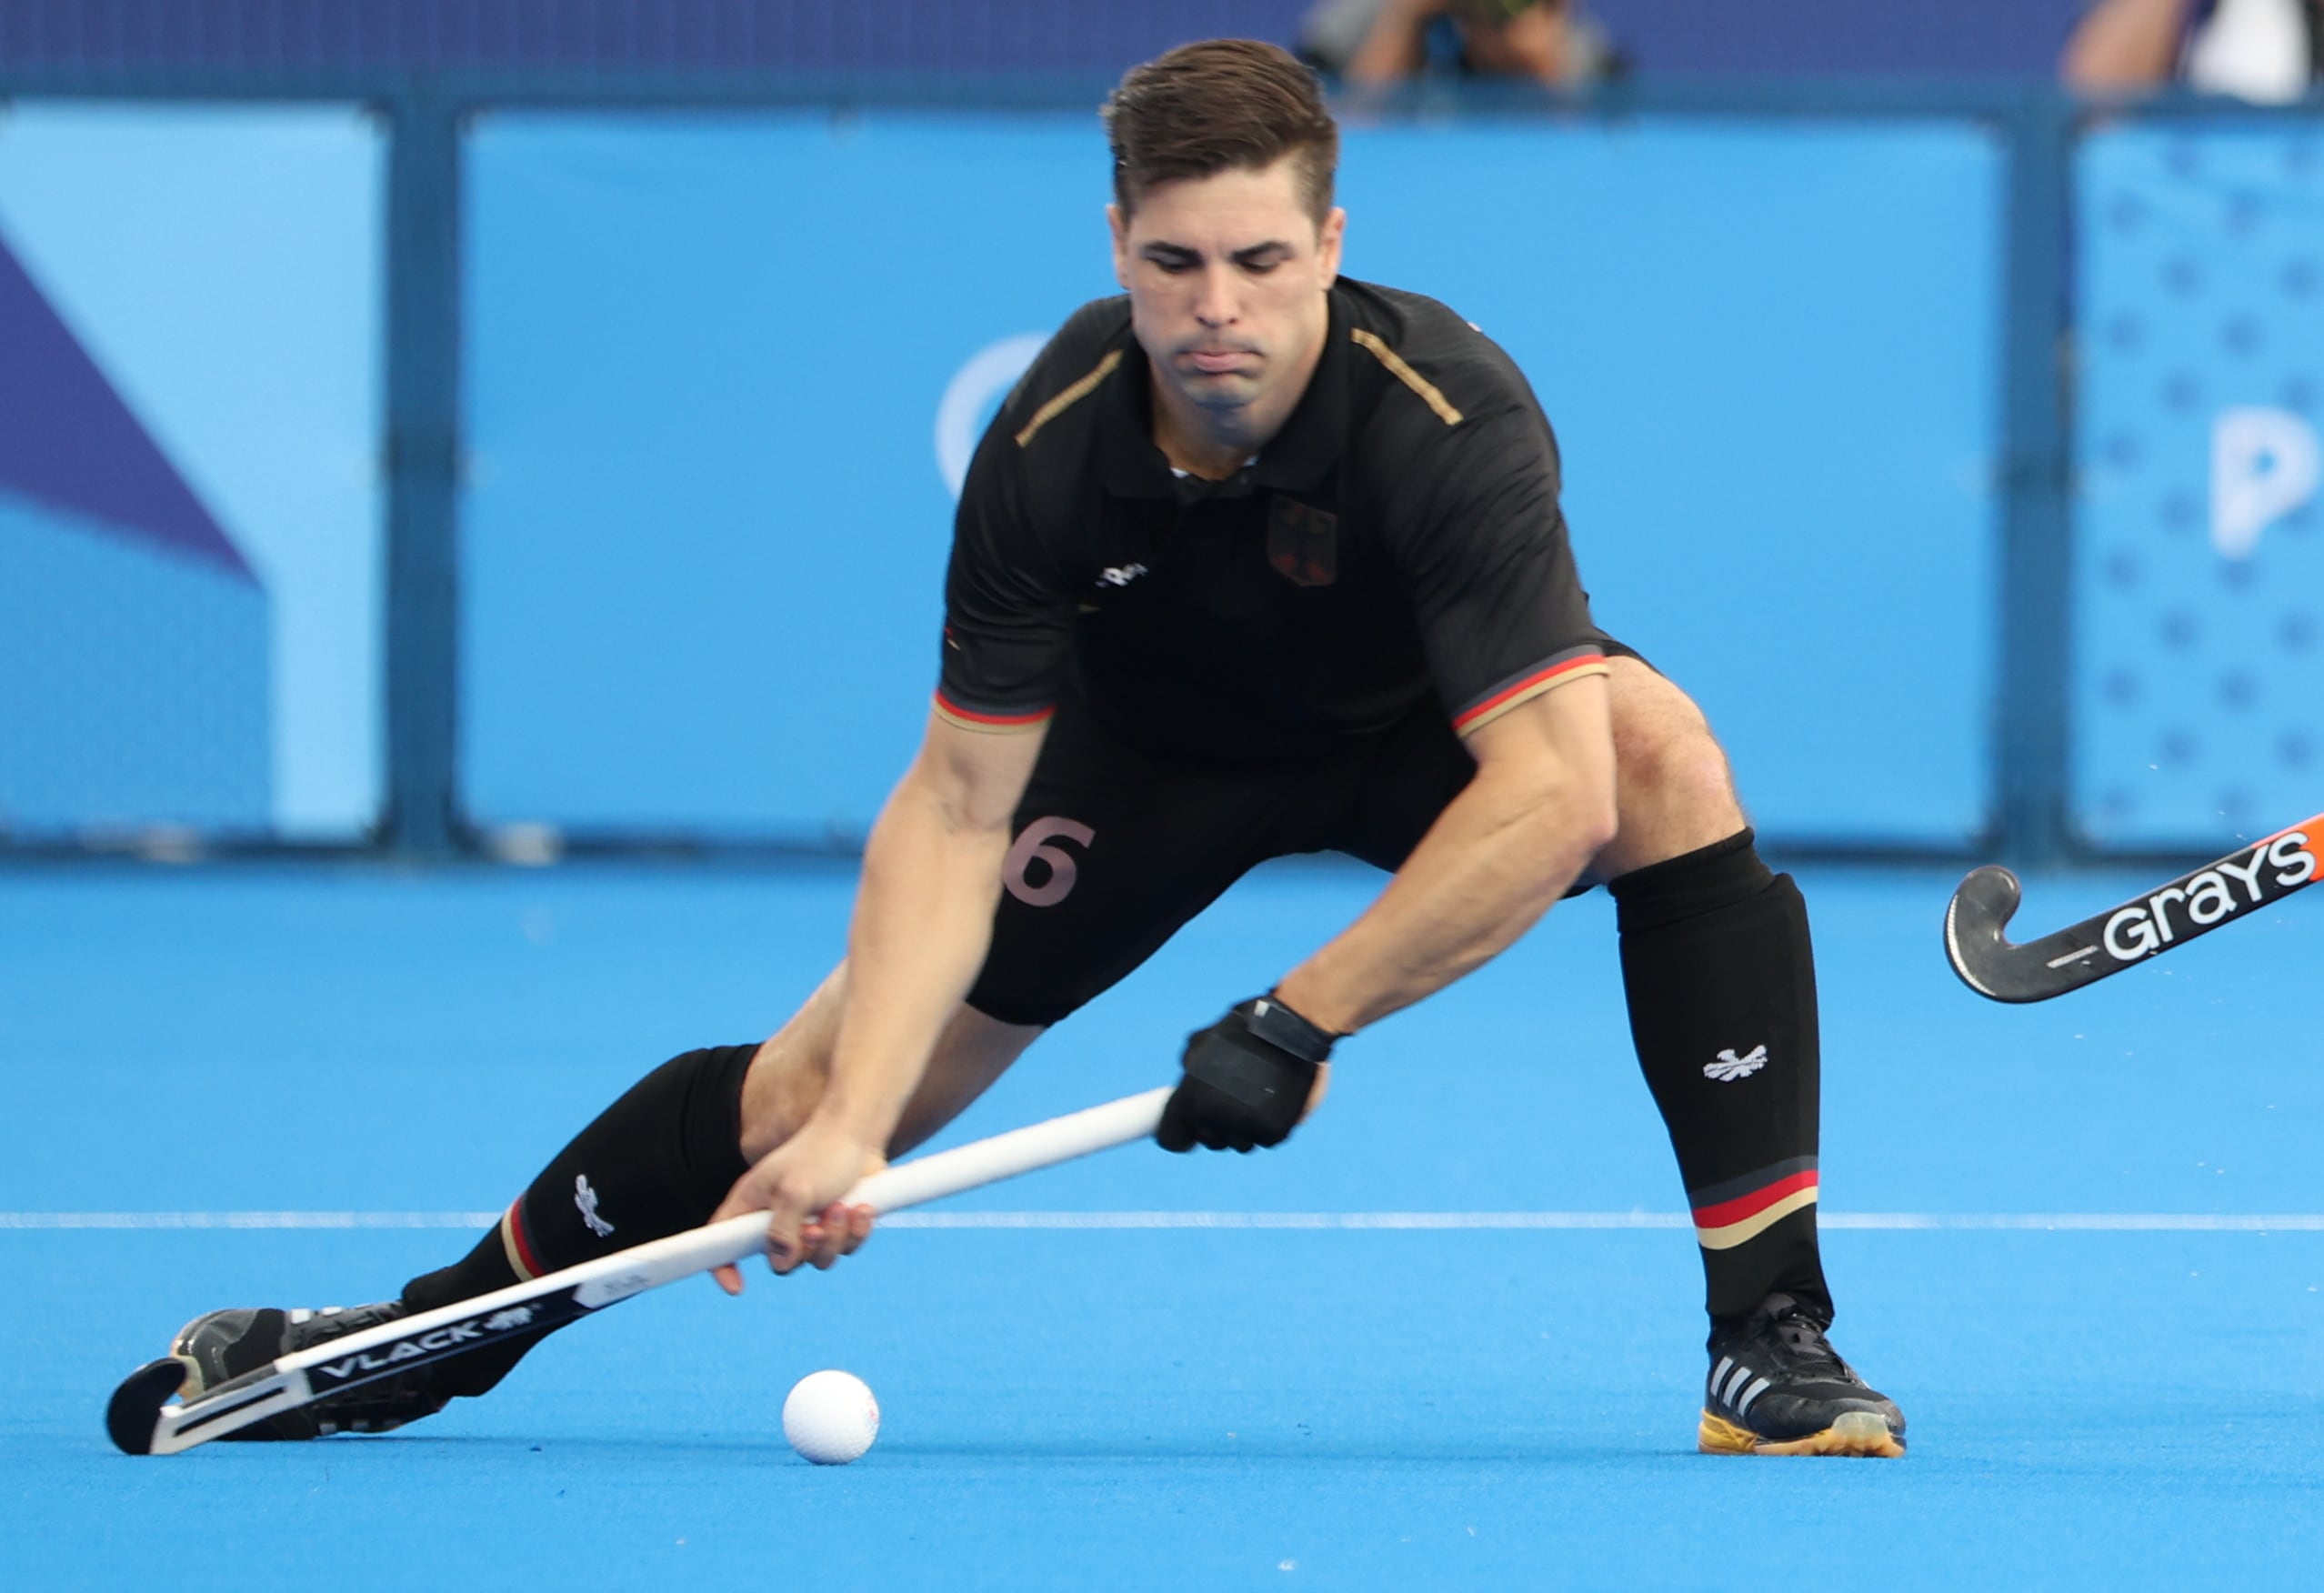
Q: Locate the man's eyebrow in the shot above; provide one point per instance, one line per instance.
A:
(1181, 252)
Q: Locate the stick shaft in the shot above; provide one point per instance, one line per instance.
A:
(560, 1297)
(1005, 1155)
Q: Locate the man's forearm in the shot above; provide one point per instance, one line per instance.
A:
(923, 923)
(2125, 44)
(1392, 50)
(1497, 858)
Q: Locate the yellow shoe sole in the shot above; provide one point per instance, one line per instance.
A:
(1859, 1432)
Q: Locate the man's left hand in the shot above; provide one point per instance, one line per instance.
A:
(1247, 1079)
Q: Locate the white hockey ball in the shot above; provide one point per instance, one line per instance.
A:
(831, 1417)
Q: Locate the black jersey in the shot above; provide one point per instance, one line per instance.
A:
(1400, 535)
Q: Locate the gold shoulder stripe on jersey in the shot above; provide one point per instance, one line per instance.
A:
(1407, 375)
(1069, 397)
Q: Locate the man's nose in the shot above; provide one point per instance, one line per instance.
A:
(1215, 306)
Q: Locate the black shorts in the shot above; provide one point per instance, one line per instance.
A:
(1117, 847)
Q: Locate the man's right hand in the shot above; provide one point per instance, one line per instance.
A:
(798, 1185)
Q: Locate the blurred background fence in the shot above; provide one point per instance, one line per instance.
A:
(523, 428)
(1696, 37)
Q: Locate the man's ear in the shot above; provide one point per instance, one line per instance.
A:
(1118, 225)
(1328, 239)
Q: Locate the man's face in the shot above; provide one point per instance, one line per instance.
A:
(1226, 277)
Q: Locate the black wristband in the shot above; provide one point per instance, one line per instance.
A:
(1245, 1080)
(1280, 1027)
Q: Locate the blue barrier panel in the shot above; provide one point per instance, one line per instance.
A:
(189, 509)
(2198, 673)
(723, 372)
(1771, 356)
(704, 549)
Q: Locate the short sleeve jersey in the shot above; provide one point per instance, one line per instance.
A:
(1400, 536)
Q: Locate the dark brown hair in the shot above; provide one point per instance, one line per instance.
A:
(1224, 104)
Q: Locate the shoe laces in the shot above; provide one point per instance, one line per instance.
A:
(1782, 1325)
(336, 1322)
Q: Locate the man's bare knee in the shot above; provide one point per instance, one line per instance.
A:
(788, 1076)
(1672, 785)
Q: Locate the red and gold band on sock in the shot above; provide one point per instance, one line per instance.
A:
(1740, 1209)
(516, 1244)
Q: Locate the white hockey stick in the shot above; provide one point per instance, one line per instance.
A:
(142, 1422)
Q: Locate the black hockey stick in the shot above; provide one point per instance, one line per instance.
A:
(142, 1421)
(2145, 926)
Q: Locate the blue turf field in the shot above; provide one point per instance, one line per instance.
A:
(1255, 1407)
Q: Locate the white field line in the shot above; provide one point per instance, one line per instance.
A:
(1443, 1221)
(1276, 1221)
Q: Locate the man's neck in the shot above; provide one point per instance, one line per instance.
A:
(1214, 443)
(1200, 445)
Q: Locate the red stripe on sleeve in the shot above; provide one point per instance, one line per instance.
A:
(973, 717)
(1526, 685)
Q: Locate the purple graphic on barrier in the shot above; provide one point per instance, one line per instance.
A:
(70, 442)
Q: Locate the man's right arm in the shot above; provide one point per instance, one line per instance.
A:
(923, 917)
(932, 866)
(923, 923)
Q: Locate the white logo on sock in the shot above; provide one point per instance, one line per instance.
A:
(586, 1200)
(1730, 1067)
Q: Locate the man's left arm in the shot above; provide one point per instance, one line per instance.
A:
(1518, 662)
(1541, 806)
(1501, 853)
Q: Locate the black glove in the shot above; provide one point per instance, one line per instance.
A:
(1248, 1078)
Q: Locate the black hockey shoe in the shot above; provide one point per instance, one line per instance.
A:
(227, 1344)
(1777, 1387)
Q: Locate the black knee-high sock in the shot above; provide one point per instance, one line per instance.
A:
(1721, 980)
(657, 1162)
